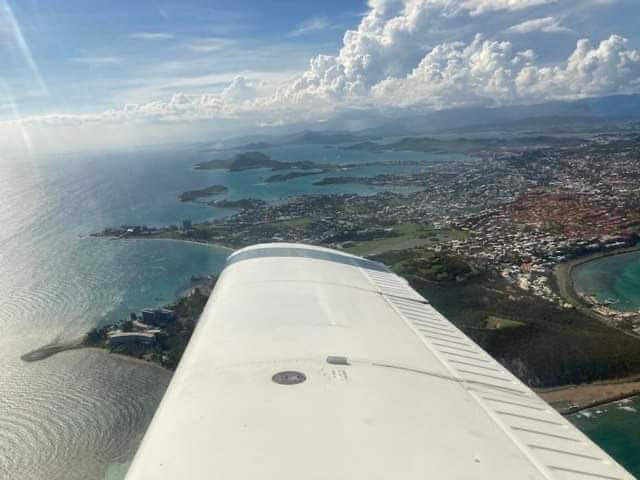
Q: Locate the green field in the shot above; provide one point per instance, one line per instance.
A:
(499, 323)
(410, 235)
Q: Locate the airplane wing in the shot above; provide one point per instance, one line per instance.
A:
(308, 363)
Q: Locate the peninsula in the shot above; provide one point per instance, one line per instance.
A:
(156, 335)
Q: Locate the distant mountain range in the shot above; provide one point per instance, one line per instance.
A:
(587, 115)
(306, 137)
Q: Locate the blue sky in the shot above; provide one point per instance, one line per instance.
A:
(98, 54)
(76, 74)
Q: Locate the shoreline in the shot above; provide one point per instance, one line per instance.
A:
(51, 349)
(563, 273)
(128, 358)
(102, 344)
(563, 277)
(172, 239)
(570, 399)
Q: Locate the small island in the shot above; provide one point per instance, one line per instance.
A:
(240, 162)
(257, 160)
(193, 195)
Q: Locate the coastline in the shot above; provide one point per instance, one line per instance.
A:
(129, 358)
(563, 276)
(53, 348)
(89, 341)
(173, 239)
(49, 350)
(562, 273)
(569, 399)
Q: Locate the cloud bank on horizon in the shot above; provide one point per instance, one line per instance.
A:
(403, 54)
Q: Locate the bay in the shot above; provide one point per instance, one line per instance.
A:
(613, 278)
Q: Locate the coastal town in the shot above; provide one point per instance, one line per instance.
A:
(517, 211)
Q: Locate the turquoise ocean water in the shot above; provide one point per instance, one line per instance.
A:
(616, 278)
(81, 414)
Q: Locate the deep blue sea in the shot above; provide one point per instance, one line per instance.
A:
(81, 414)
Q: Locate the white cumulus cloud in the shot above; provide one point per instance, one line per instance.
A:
(239, 90)
(455, 74)
(388, 43)
(610, 67)
(490, 72)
